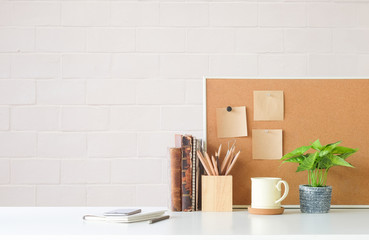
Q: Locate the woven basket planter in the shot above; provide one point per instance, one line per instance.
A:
(315, 199)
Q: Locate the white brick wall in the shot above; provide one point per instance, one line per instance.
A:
(4, 118)
(114, 195)
(146, 118)
(60, 195)
(18, 144)
(38, 118)
(282, 15)
(60, 92)
(61, 145)
(35, 13)
(86, 65)
(17, 39)
(5, 65)
(84, 118)
(110, 40)
(60, 39)
(92, 92)
(112, 144)
(4, 171)
(91, 13)
(35, 65)
(134, 14)
(77, 171)
(160, 40)
(233, 14)
(30, 171)
(111, 92)
(17, 92)
(5, 13)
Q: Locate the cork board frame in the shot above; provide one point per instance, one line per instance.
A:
(330, 109)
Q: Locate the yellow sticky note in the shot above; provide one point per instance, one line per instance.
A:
(231, 124)
(268, 105)
(267, 144)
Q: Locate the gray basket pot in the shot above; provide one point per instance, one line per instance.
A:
(315, 199)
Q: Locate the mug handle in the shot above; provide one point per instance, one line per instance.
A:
(286, 189)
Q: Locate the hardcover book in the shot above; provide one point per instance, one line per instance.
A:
(176, 181)
(187, 173)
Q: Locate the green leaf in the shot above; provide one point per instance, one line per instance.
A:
(298, 159)
(343, 150)
(308, 163)
(316, 145)
(346, 155)
(325, 163)
(297, 152)
(328, 148)
(338, 161)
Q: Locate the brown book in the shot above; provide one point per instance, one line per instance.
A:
(187, 173)
(176, 181)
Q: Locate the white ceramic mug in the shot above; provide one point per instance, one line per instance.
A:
(266, 192)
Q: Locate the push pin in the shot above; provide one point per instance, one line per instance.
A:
(229, 108)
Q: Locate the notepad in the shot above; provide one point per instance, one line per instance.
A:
(231, 124)
(267, 143)
(143, 216)
(268, 105)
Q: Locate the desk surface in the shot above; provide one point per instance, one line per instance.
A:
(62, 221)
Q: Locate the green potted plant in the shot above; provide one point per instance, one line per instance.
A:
(316, 196)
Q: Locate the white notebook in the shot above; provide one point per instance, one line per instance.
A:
(143, 216)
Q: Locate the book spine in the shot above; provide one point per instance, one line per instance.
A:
(176, 182)
(193, 159)
(186, 174)
(200, 172)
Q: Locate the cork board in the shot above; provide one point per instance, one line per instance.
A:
(328, 109)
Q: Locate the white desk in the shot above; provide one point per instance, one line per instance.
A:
(67, 223)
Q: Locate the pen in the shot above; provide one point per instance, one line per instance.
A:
(155, 220)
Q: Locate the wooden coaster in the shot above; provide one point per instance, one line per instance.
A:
(259, 211)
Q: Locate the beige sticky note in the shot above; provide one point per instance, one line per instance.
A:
(268, 105)
(231, 124)
(267, 143)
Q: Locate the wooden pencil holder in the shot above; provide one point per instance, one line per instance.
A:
(216, 193)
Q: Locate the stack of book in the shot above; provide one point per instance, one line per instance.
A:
(186, 174)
